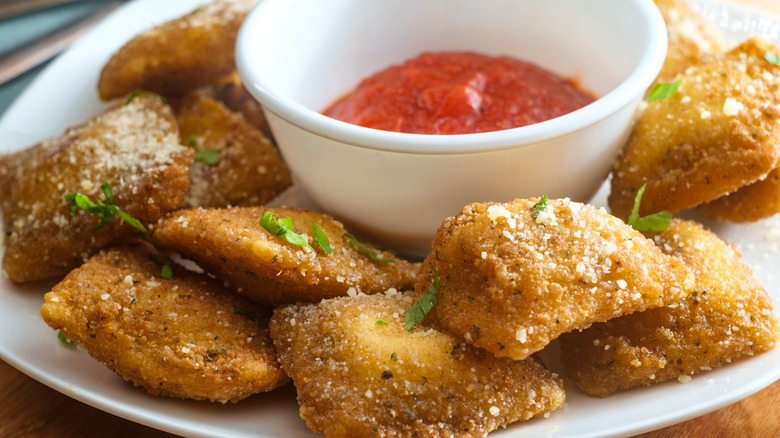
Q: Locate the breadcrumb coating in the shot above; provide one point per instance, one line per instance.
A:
(232, 244)
(512, 282)
(719, 132)
(133, 146)
(360, 373)
(728, 316)
(184, 337)
(748, 204)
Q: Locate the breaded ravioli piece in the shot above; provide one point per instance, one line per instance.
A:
(184, 337)
(515, 276)
(719, 132)
(729, 316)
(134, 147)
(235, 163)
(234, 95)
(232, 244)
(359, 373)
(748, 204)
(691, 38)
(179, 55)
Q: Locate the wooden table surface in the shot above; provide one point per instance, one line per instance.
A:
(31, 409)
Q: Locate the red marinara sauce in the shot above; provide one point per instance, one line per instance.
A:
(458, 93)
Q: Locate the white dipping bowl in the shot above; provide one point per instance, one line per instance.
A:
(297, 57)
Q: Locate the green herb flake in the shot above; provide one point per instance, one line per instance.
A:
(192, 139)
(540, 206)
(771, 57)
(381, 322)
(663, 90)
(208, 156)
(167, 268)
(144, 93)
(424, 304)
(321, 238)
(351, 238)
(64, 340)
(282, 228)
(393, 356)
(103, 211)
(654, 222)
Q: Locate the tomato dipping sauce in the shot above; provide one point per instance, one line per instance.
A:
(458, 93)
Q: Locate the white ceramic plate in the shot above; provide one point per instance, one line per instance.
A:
(64, 94)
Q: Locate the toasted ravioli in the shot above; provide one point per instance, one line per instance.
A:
(134, 147)
(232, 244)
(360, 373)
(748, 204)
(184, 337)
(729, 316)
(720, 131)
(234, 94)
(512, 282)
(179, 55)
(691, 38)
(240, 166)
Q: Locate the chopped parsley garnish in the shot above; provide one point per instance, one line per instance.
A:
(663, 90)
(381, 322)
(282, 228)
(424, 304)
(321, 238)
(654, 222)
(103, 211)
(139, 93)
(192, 139)
(167, 268)
(359, 245)
(208, 156)
(64, 340)
(771, 57)
(540, 206)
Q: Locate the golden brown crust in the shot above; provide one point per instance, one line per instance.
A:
(235, 96)
(179, 55)
(729, 316)
(748, 204)
(134, 147)
(719, 132)
(511, 283)
(691, 38)
(250, 170)
(359, 373)
(184, 337)
(231, 244)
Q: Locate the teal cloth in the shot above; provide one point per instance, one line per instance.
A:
(22, 29)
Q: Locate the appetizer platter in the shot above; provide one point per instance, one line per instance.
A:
(66, 94)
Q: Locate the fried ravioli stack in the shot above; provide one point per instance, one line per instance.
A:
(515, 276)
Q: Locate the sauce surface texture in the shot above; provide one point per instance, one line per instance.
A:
(458, 93)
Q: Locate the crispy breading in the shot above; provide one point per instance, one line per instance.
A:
(359, 373)
(691, 38)
(511, 283)
(719, 132)
(184, 337)
(249, 170)
(748, 204)
(231, 243)
(235, 96)
(134, 147)
(179, 55)
(728, 317)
